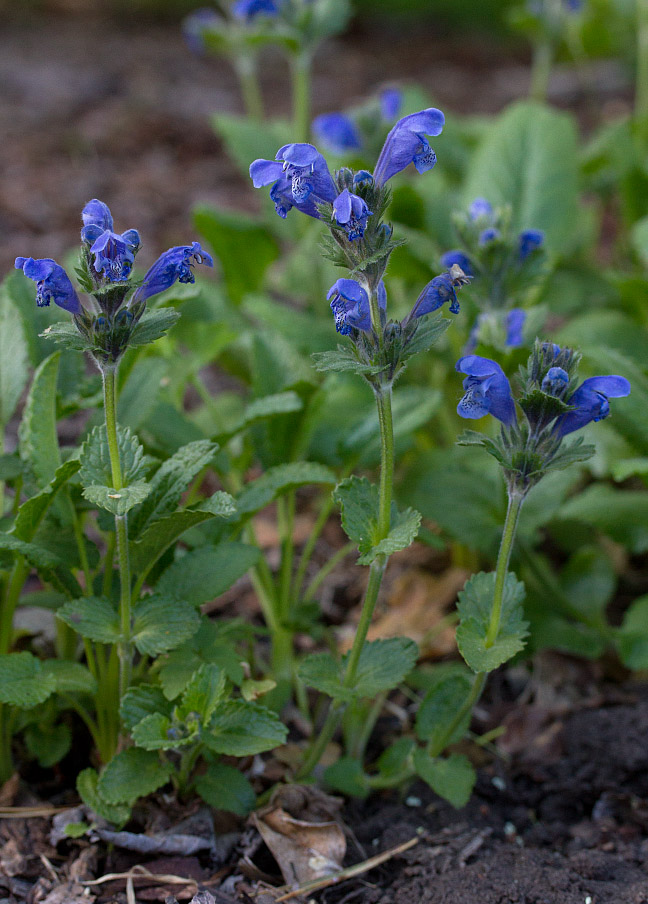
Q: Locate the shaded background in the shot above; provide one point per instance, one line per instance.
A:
(105, 100)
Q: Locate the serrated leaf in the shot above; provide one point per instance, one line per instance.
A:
(226, 788)
(404, 530)
(96, 469)
(140, 702)
(453, 778)
(157, 732)
(219, 503)
(428, 332)
(86, 783)
(38, 436)
(157, 538)
(22, 680)
(49, 566)
(438, 709)
(92, 617)
(393, 760)
(14, 356)
(204, 692)
(131, 774)
(10, 466)
(67, 335)
(70, 677)
(152, 325)
(32, 511)
(209, 644)
(205, 573)
(170, 482)
(117, 502)
(358, 500)
(161, 623)
(239, 728)
(280, 479)
(324, 673)
(474, 608)
(343, 361)
(48, 743)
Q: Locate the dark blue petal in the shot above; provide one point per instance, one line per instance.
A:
(590, 402)
(263, 172)
(52, 283)
(250, 9)
(555, 381)
(174, 265)
(336, 132)
(96, 213)
(435, 294)
(342, 208)
(529, 241)
(487, 390)
(406, 144)
(352, 212)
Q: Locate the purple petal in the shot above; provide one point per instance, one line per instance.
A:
(263, 172)
(96, 213)
(336, 132)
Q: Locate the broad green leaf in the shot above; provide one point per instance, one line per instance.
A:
(48, 743)
(589, 581)
(170, 482)
(621, 514)
(278, 480)
(210, 644)
(358, 500)
(243, 246)
(383, 664)
(158, 732)
(203, 693)
(262, 409)
(10, 465)
(162, 623)
(131, 774)
(32, 511)
(117, 502)
(404, 529)
(87, 787)
(348, 776)
(324, 673)
(140, 702)
(38, 437)
(139, 395)
(238, 728)
(66, 334)
(429, 331)
(38, 556)
(246, 140)
(475, 606)
(343, 361)
(92, 617)
(632, 636)
(630, 467)
(152, 326)
(70, 677)
(529, 159)
(393, 760)
(453, 778)
(23, 682)
(14, 356)
(226, 788)
(205, 573)
(96, 469)
(439, 707)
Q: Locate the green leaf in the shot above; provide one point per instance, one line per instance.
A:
(358, 500)
(393, 760)
(92, 617)
(630, 467)
(343, 361)
(404, 530)
(14, 356)
(153, 325)
(348, 776)
(157, 538)
(70, 677)
(141, 701)
(621, 514)
(131, 774)
(209, 644)
(10, 464)
(439, 707)
(32, 511)
(50, 567)
(278, 480)
(262, 409)
(48, 743)
(170, 482)
(203, 693)
(453, 778)
(226, 788)
(117, 502)
(38, 437)
(139, 395)
(529, 159)
(158, 732)
(87, 786)
(239, 728)
(162, 623)
(96, 469)
(66, 334)
(474, 608)
(429, 331)
(632, 636)
(639, 238)
(383, 664)
(23, 682)
(244, 247)
(205, 573)
(246, 140)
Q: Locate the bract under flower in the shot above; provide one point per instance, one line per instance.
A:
(52, 283)
(406, 143)
(487, 390)
(174, 265)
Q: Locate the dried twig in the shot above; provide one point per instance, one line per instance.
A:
(29, 812)
(349, 872)
(140, 872)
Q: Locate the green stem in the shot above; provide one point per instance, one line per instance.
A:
(6, 760)
(247, 75)
(541, 70)
(17, 579)
(327, 568)
(383, 401)
(641, 89)
(109, 375)
(475, 693)
(301, 78)
(503, 557)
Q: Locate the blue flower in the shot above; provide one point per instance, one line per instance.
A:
(450, 258)
(406, 143)
(350, 305)
(489, 235)
(529, 241)
(515, 320)
(52, 283)
(437, 292)
(479, 208)
(114, 253)
(487, 390)
(196, 24)
(555, 381)
(391, 101)
(351, 212)
(174, 264)
(304, 169)
(590, 402)
(336, 132)
(250, 9)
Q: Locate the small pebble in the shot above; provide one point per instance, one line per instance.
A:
(499, 783)
(413, 801)
(509, 829)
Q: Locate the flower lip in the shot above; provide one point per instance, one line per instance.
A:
(487, 390)
(299, 154)
(590, 402)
